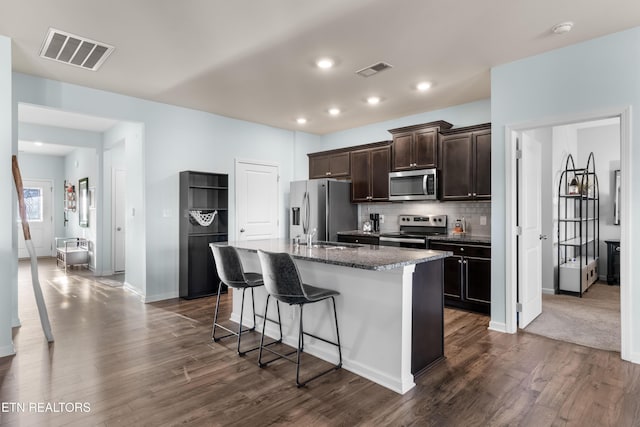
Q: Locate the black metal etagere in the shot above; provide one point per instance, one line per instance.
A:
(578, 227)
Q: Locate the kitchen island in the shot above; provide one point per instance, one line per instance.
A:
(390, 308)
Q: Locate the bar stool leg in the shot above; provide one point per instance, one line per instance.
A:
(240, 322)
(215, 316)
(253, 305)
(300, 345)
(264, 325)
(335, 316)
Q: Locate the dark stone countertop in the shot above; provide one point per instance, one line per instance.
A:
(366, 257)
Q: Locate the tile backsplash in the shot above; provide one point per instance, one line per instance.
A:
(473, 213)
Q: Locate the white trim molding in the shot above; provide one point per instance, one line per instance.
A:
(7, 350)
(498, 326)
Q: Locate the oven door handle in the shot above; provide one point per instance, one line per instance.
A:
(402, 240)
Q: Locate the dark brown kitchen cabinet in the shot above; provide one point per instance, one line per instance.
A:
(466, 163)
(467, 275)
(332, 164)
(370, 174)
(416, 147)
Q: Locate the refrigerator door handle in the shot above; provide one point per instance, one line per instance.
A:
(305, 210)
(308, 213)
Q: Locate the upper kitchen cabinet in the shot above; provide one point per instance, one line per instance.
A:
(466, 163)
(329, 164)
(416, 147)
(370, 173)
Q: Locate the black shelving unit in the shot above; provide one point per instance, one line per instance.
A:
(204, 193)
(578, 227)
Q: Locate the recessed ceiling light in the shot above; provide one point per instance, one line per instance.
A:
(324, 63)
(373, 100)
(301, 120)
(38, 144)
(563, 27)
(334, 111)
(423, 86)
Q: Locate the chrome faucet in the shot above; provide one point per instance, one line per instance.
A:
(310, 238)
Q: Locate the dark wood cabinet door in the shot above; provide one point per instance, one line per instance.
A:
(360, 181)
(478, 283)
(318, 167)
(380, 173)
(425, 153)
(453, 277)
(482, 165)
(339, 165)
(456, 174)
(402, 151)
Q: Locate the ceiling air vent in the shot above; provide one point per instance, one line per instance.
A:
(373, 69)
(74, 50)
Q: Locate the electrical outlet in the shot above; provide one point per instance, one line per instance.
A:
(483, 220)
(381, 219)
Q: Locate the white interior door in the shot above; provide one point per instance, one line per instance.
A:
(119, 210)
(256, 201)
(530, 222)
(38, 195)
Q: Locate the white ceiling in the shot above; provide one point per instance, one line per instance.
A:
(254, 60)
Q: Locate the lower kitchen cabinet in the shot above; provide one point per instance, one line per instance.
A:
(467, 275)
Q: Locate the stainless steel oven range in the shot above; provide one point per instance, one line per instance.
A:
(415, 230)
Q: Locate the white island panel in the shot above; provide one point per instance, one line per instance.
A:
(374, 317)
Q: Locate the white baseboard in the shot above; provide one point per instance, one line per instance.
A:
(160, 297)
(498, 326)
(548, 291)
(328, 353)
(127, 286)
(635, 358)
(7, 350)
(15, 322)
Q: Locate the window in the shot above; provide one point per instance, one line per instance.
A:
(33, 204)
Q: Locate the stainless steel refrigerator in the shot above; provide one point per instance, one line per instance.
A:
(322, 204)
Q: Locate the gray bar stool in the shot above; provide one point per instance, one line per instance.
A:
(282, 281)
(232, 274)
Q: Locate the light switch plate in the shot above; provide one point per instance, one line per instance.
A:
(381, 219)
(483, 220)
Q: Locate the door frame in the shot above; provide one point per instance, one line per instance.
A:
(511, 199)
(235, 193)
(51, 184)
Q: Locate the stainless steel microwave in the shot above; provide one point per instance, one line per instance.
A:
(413, 185)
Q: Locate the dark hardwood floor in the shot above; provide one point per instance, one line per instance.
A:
(154, 364)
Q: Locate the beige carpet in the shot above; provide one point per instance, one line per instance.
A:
(592, 321)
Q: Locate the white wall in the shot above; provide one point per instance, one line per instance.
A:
(580, 79)
(173, 139)
(83, 163)
(472, 113)
(8, 240)
(126, 147)
(37, 166)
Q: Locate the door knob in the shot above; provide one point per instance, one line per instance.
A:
(543, 237)
(242, 230)
(118, 228)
